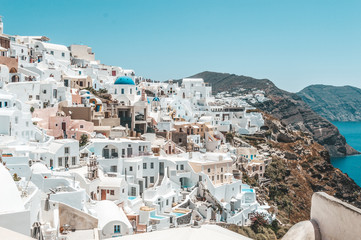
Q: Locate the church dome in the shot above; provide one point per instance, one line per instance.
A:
(124, 81)
(10, 200)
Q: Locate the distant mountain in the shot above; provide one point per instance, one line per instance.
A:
(286, 106)
(334, 103)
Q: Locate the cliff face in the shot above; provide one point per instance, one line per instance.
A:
(287, 107)
(334, 103)
(300, 166)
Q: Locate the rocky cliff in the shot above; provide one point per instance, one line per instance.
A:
(285, 106)
(300, 166)
(334, 103)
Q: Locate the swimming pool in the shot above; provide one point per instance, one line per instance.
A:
(177, 214)
(157, 217)
(247, 190)
(132, 197)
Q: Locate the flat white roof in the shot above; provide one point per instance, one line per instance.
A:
(209, 232)
(55, 46)
(9, 234)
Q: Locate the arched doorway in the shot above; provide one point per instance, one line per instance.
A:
(15, 78)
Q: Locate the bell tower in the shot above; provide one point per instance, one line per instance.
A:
(1, 25)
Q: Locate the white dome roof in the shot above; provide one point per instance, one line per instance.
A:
(10, 200)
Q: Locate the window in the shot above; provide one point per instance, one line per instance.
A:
(123, 190)
(130, 169)
(81, 126)
(151, 180)
(212, 178)
(52, 52)
(5, 104)
(112, 192)
(122, 91)
(177, 167)
(131, 91)
(37, 97)
(217, 177)
(73, 160)
(221, 169)
(123, 152)
(182, 167)
(63, 54)
(151, 165)
(60, 162)
(144, 165)
(66, 150)
(166, 202)
(179, 140)
(140, 148)
(209, 170)
(116, 228)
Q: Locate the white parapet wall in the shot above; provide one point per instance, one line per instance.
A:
(336, 219)
(331, 219)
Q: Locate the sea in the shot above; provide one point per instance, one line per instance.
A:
(350, 164)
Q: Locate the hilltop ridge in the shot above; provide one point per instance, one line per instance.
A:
(335, 103)
(288, 107)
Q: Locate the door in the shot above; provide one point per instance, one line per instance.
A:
(103, 195)
(145, 182)
(106, 153)
(129, 152)
(140, 187)
(63, 126)
(133, 191)
(161, 168)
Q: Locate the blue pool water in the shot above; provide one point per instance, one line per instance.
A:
(157, 217)
(177, 214)
(350, 164)
(247, 190)
(131, 197)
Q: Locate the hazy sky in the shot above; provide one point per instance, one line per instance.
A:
(293, 43)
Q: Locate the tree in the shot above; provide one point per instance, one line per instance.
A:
(103, 90)
(83, 140)
(258, 222)
(229, 137)
(32, 109)
(16, 177)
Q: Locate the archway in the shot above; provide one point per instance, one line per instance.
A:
(13, 70)
(15, 78)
